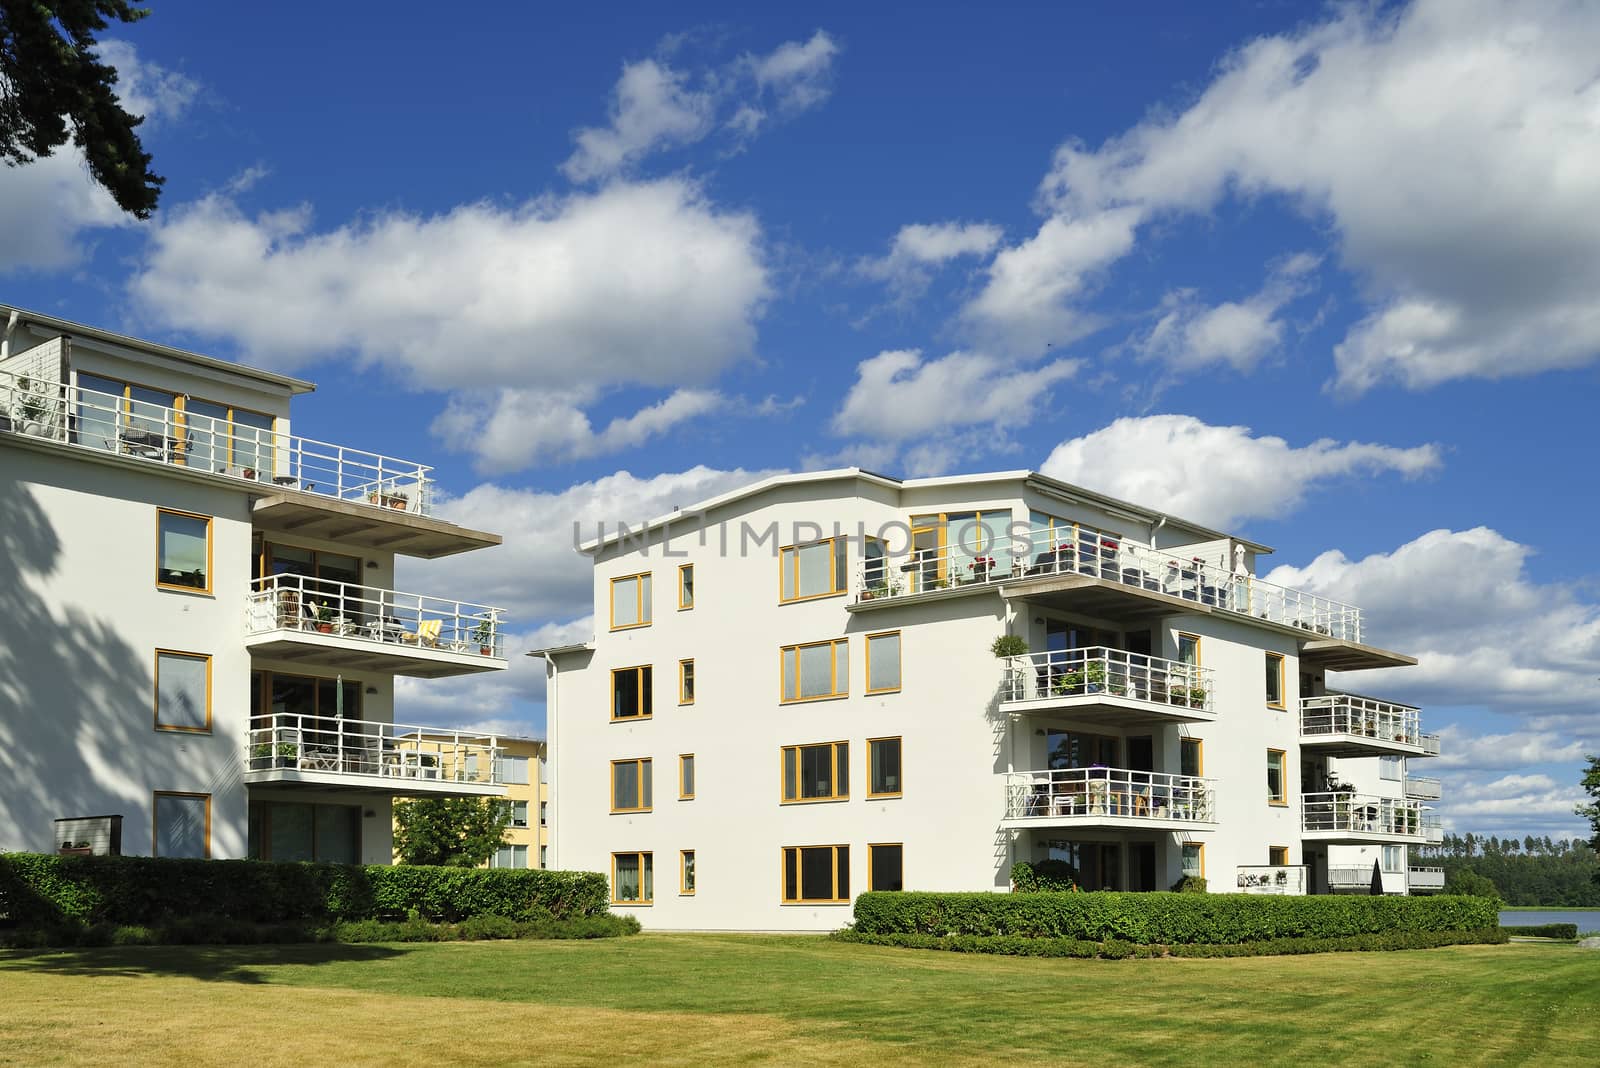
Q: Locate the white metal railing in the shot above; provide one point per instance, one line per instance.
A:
(1430, 745)
(1432, 829)
(1271, 879)
(1044, 552)
(1352, 876)
(1425, 878)
(1096, 669)
(368, 749)
(389, 617)
(109, 422)
(1118, 792)
(1424, 787)
(1363, 716)
(1363, 813)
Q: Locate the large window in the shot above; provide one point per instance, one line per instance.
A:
(816, 874)
(183, 691)
(885, 866)
(1275, 680)
(686, 682)
(183, 551)
(816, 772)
(816, 671)
(295, 831)
(632, 878)
(1277, 788)
(510, 856)
(182, 825)
(631, 785)
(1394, 858)
(631, 692)
(512, 770)
(221, 437)
(685, 587)
(1194, 860)
(1392, 768)
(883, 662)
(686, 872)
(686, 777)
(630, 601)
(883, 759)
(815, 570)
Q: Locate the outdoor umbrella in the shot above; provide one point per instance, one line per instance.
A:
(1377, 880)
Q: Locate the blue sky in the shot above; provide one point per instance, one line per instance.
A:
(1323, 275)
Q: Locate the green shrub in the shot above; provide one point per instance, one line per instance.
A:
(1544, 930)
(1189, 884)
(1009, 645)
(1166, 918)
(1047, 876)
(1117, 949)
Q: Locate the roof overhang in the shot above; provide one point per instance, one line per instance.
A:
(1336, 654)
(384, 529)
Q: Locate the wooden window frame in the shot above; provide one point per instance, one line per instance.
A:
(645, 804)
(685, 571)
(1200, 755)
(640, 668)
(640, 854)
(834, 547)
(686, 681)
(155, 816)
(155, 702)
(1283, 694)
(271, 450)
(1201, 846)
(638, 599)
(799, 881)
(685, 862)
(204, 591)
(833, 765)
(682, 794)
(841, 647)
(871, 846)
(1198, 647)
(1283, 773)
(1273, 851)
(902, 776)
(899, 666)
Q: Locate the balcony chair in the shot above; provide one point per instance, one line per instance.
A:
(427, 633)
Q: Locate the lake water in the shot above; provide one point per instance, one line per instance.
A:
(1586, 921)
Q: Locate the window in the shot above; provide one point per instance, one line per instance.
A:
(544, 813)
(630, 601)
(1191, 757)
(885, 864)
(183, 692)
(815, 570)
(1392, 768)
(1189, 650)
(183, 551)
(686, 777)
(686, 682)
(512, 770)
(816, 671)
(686, 872)
(1194, 860)
(631, 785)
(510, 856)
(816, 874)
(883, 760)
(632, 878)
(1275, 680)
(816, 772)
(631, 692)
(883, 662)
(544, 856)
(1394, 858)
(220, 437)
(1276, 788)
(685, 587)
(1278, 855)
(182, 825)
(291, 831)
(874, 567)
(519, 813)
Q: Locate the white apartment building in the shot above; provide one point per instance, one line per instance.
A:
(201, 631)
(793, 697)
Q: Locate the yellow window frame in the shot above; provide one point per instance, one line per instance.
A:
(207, 588)
(155, 825)
(1283, 777)
(155, 698)
(901, 771)
(1278, 856)
(834, 759)
(686, 681)
(872, 847)
(685, 761)
(1283, 695)
(638, 598)
(783, 873)
(789, 560)
(1201, 847)
(841, 647)
(685, 587)
(644, 686)
(686, 873)
(645, 804)
(644, 857)
(900, 666)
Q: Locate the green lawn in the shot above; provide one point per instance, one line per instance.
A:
(737, 999)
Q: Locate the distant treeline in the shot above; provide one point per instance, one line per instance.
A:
(1533, 871)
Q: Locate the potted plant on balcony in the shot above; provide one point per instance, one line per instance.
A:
(1070, 684)
(980, 568)
(264, 755)
(325, 617)
(1197, 697)
(1009, 645)
(483, 634)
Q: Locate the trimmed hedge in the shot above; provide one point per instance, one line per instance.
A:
(1544, 930)
(1166, 918)
(1118, 949)
(38, 890)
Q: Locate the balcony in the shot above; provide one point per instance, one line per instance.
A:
(1110, 798)
(1426, 880)
(1352, 819)
(360, 628)
(1423, 788)
(1430, 745)
(388, 758)
(1288, 879)
(1343, 725)
(314, 488)
(1108, 686)
(1432, 830)
(1357, 879)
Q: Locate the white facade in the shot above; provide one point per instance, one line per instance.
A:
(187, 584)
(1121, 760)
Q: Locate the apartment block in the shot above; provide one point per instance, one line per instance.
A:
(201, 628)
(795, 695)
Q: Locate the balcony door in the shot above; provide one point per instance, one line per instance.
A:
(331, 579)
(1078, 749)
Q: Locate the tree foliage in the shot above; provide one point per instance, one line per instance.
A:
(1591, 811)
(53, 87)
(461, 832)
(1530, 871)
(1469, 883)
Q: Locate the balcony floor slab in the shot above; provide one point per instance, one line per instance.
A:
(1340, 744)
(314, 648)
(1108, 709)
(387, 785)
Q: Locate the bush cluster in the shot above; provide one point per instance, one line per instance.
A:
(40, 891)
(1544, 930)
(1120, 949)
(1166, 918)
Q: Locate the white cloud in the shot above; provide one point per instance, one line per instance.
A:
(147, 89)
(1219, 475)
(796, 73)
(898, 395)
(1239, 334)
(921, 246)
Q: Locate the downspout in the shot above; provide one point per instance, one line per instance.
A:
(1154, 528)
(551, 685)
(11, 324)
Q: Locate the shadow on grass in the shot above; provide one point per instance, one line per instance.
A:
(233, 964)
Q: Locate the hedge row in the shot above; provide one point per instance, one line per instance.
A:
(1544, 930)
(40, 890)
(1120, 949)
(1166, 918)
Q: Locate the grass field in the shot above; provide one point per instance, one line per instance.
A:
(726, 999)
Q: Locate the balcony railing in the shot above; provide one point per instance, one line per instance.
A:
(1344, 714)
(1423, 787)
(1110, 792)
(1430, 745)
(1352, 813)
(1426, 878)
(1432, 830)
(161, 434)
(1040, 553)
(364, 613)
(1355, 877)
(1099, 670)
(1271, 879)
(393, 753)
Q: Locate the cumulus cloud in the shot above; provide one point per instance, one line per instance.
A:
(1220, 475)
(796, 73)
(149, 90)
(917, 249)
(1190, 335)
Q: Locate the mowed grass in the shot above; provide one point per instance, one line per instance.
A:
(727, 999)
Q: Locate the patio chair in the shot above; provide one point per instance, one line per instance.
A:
(427, 633)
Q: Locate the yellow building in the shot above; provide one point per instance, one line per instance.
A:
(519, 766)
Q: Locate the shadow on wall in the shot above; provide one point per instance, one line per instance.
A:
(234, 964)
(74, 697)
